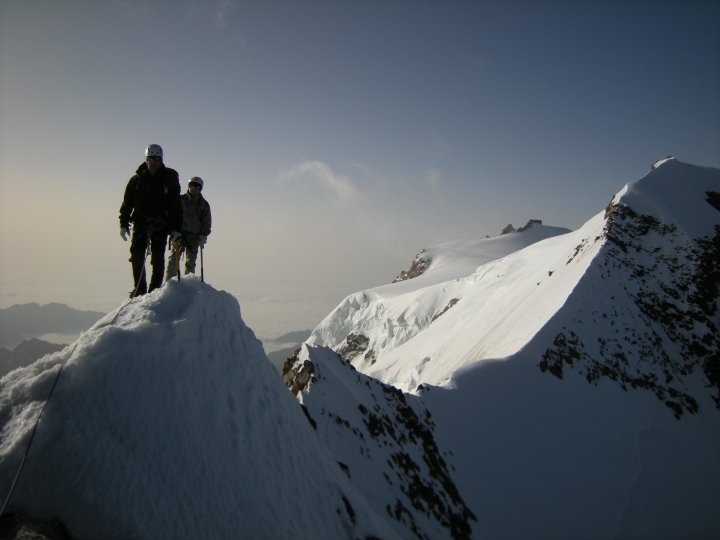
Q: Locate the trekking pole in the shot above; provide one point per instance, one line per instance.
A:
(202, 269)
(176, 248)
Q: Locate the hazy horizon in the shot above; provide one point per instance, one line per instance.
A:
(336, 139)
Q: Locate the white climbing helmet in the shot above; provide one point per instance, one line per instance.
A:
(154, 150)
(196, 180)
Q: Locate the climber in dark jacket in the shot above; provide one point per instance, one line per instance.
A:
(196, 225)
(152, 204)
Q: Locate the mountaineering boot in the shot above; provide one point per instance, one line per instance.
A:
(140, 288)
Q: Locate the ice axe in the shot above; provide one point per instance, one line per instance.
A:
(202, 269)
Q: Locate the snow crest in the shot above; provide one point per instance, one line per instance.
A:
(385, 318)
(171, 423)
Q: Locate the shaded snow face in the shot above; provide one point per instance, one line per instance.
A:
(647, 314)
(170, 423)
(384, 442)
(654, 324)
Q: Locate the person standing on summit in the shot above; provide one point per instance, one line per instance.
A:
(196, 225)
(152, 204)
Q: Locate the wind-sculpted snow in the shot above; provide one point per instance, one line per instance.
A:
(170, 423)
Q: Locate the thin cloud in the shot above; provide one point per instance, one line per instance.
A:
(140, 10)
(433, 178)
(341, 187)
(222, 12)
(147, 10)
(217, 10)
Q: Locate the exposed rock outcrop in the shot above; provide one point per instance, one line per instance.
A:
(365, 421)
(18, 527)
(677, 302)
(417, 268)
(509, 228)
(450, 304)
(296, 375)
(357, 345)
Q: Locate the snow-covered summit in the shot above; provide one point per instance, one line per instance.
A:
(673, 193)
(169, 422)
(647, 313)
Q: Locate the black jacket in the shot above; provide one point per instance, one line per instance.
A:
(152, 200)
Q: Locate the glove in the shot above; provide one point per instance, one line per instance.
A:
(202, 240)
(124, 233)
(175, 236)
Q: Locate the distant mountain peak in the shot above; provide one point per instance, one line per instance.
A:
(661, 162)
(22, 321)
(510, 229)
(475, 252)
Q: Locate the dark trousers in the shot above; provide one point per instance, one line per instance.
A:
(138, 248)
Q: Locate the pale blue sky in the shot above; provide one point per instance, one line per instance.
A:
(336, 138)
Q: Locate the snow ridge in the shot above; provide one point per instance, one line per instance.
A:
(653, 273)
(171, 423)
(367, 326)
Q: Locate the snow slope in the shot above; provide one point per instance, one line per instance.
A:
(387, 317)
(498, 309)
(575, 380)
(171, 423)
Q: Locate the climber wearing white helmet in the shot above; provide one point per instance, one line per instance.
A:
(152, 204)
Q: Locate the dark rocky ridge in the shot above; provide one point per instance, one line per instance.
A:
(674, 298)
